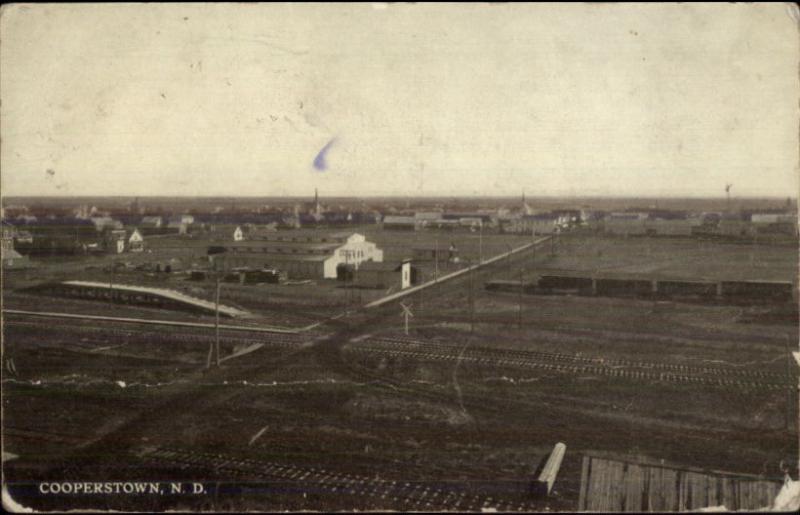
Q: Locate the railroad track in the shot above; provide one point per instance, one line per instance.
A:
(570, 364)
(160, 336)
(380, 493)
(557, 356)
(398, 346)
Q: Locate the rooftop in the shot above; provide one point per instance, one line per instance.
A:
(162, 292)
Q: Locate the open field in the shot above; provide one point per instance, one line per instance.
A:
(675, 257)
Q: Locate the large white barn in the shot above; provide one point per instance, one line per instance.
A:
(302, 257)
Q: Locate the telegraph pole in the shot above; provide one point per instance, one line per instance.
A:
(216, 319)
(508, 261)
(789, 391)
(480, 242)
(111, 283)
(519, 304)
(346, 279)
(471, 298)
(436, 259)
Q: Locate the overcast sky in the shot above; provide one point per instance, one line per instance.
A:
(215, 99)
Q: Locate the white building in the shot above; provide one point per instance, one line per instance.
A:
(303, 257)
(136, 241)
(115, 241)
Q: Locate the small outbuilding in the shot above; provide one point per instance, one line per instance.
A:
(386, 275)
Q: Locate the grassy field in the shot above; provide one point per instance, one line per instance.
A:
(676, 257)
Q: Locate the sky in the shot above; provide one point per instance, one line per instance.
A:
(399, 99)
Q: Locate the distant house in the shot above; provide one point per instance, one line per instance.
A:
(61, 236)
(292, 221)
(104, 223)
(180, 219)
(260, 232)
(151, 222)
(471, 220)
(399, 223)
(386, 275)
(176, 224)
(238, 234)
(11, 258)
(222, 231)
(543, 223)
(24, 237)
(425, 219)
(567, 217)
(114, 241)
(8, 235)
(136, 241)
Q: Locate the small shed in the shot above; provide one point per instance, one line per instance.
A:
(428, 253)
(386, 275)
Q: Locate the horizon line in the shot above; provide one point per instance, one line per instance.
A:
(527, 196)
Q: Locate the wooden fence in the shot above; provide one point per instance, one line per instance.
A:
(625, 486)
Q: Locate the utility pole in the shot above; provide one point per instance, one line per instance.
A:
(471, 298)
(346, 279)
(789, 392)
(480, 242)
(508, 261)
(111, 283)
(436, 260)
(216, 320)
(519, 304)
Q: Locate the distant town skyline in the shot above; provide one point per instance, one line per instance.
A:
(399, 100)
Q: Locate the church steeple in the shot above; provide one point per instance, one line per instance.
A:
(317, 209)
(525, 208)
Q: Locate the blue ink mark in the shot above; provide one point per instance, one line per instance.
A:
(319, 161)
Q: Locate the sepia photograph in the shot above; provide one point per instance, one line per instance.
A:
(400, 257)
